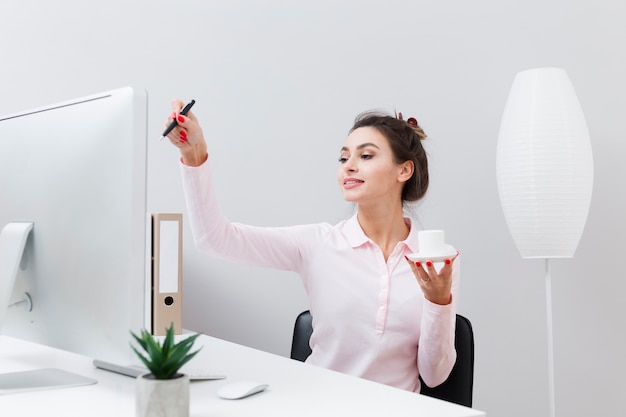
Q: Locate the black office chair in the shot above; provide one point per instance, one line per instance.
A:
(300, 349)
(459, 386)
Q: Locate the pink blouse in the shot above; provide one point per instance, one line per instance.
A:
(370, 317)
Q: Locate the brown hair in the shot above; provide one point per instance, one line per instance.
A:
(405, 141)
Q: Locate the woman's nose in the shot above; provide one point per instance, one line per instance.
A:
(350, 166)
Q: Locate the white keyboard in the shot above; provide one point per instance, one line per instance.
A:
(136, 370)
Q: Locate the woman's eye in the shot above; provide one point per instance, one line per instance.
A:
(342, 159)
(367, 156)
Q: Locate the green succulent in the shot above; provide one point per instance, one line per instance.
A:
(164, 360)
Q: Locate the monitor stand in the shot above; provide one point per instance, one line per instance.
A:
(41, 379)
(13, 239)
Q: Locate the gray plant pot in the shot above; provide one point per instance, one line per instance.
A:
(162, 397)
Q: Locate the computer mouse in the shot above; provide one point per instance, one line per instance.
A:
(240, 389)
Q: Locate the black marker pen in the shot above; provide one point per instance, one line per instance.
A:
(174, 123)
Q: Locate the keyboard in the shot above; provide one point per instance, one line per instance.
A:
(135, 370)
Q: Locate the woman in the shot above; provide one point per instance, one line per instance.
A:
(376, 314)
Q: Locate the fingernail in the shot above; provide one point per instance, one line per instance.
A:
(406, 257)
(418, 264)
(448, 261)
(429, 263)
(183, 134)
(181, 119)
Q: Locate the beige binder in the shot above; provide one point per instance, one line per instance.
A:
(167, 272)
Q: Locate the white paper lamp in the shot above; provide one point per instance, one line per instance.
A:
(544, 164)
(544, 169)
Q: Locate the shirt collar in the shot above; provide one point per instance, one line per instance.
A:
(356, 237)
(411, 239)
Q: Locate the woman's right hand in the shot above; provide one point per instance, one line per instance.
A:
(187, 136)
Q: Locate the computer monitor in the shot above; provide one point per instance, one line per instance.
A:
(76, 171)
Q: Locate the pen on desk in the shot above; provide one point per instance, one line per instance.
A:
(174, 123)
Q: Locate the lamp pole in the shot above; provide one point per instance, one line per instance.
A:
(550, 336)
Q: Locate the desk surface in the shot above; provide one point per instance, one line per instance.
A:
(295, 388)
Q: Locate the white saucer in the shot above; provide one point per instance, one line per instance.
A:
(449, 253)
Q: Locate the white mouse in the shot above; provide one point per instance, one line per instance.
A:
(240, 389)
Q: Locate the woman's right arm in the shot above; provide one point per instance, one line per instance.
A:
(274, 247)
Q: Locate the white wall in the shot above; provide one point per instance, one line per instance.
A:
(277, 85)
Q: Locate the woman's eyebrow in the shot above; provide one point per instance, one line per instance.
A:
(361, 146)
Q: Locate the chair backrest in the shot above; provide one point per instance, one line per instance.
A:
(459, 386)
(300, 349)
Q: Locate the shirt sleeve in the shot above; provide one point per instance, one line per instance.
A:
(436, 354)
(274, 247)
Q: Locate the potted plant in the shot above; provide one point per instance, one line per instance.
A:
(163, 391)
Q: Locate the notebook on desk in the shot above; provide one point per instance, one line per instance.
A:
(41, 379)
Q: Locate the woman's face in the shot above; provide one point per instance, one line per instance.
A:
(367, 172)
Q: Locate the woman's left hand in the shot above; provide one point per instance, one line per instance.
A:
(436, 286)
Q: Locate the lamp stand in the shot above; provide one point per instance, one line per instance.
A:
(550, 341)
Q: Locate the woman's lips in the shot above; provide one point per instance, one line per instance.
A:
(351, 183)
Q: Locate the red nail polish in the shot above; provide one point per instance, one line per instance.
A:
(429, 263)
(418, 264)
(183, 134)
(448, 261)
(181, 119)
(406, 257)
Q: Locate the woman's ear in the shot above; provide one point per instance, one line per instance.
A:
(406, 171)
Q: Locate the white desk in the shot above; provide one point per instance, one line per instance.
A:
(295, 388)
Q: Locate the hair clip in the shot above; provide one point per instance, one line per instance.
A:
(412, 121)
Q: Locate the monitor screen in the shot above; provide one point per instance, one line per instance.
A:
(77, 171)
